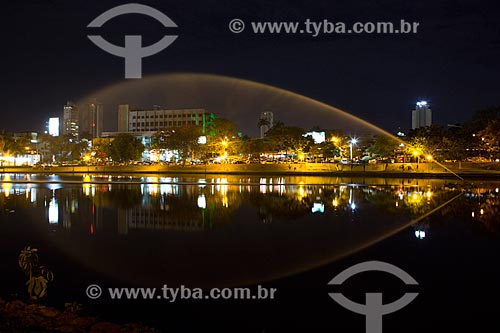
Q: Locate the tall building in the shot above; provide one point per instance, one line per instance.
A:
(421, 116)
(53, 126)
(153, 120)
(266, 121)
(91, 119)
(70, 123)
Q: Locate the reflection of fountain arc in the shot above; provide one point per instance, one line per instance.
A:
(236, 254)
(187, 234)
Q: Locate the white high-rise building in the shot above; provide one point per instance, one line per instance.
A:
(421, 116)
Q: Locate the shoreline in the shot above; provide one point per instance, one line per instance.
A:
(395, 170)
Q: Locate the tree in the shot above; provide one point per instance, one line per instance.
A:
(490, 136)
(427, 141)
(222, 128)
(101, 148)
(254, 147)
(38, 276)
(482, 119)
(125, 148)
(183, 139)
(288, 138)
(11, 145)
(384, 146)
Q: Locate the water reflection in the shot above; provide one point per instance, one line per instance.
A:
(484, 204)
(53, 211)
(170, 202)
(422, 229)
(231, 230)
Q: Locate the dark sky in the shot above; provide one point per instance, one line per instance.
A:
(453, 61)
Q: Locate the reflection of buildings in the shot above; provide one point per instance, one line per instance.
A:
(153, 219)
(157, 213)
(168, 204)
(421, 229)
(53, 211)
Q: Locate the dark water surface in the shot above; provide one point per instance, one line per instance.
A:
(291, 233)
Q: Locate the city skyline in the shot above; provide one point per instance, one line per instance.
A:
(456, 73)
(71, 119)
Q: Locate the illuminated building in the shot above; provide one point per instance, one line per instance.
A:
(91, 120)
(70, 122)
(53, 126)
(318, 137)
(153, 120)
(421, 116)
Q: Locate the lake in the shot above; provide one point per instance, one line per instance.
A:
(292, 233)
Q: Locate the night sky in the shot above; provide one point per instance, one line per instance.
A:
(453, 61)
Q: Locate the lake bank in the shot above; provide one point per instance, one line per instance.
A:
(407, 170)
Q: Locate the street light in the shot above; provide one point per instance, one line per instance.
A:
(429, 158)
(351, 143)
(417, 155)
(224, 144)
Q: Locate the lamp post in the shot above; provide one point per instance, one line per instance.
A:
(224, 151)
(351, 143)
(417, 155)
(429, 158)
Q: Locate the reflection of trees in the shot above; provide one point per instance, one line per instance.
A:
(419, 203)
(119, 197)
(221, 202)
(415, 201)
(385, 200)
(280, 206)
(477, 205)
(489, 214)
(12, 202)
(222, 205)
